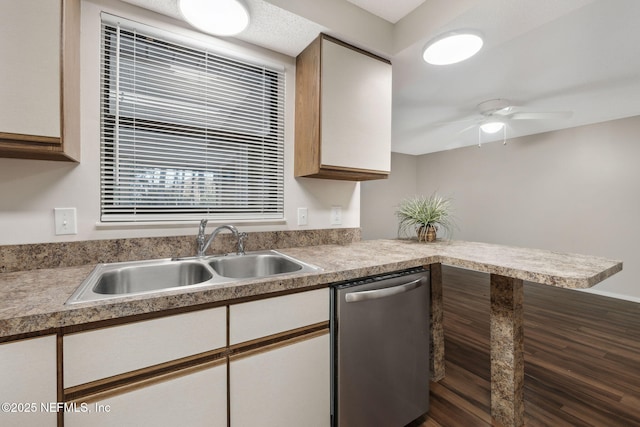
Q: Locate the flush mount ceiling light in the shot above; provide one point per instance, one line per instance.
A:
(452, 47)
(492, 126)
(218, 17)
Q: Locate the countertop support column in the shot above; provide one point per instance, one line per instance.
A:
(507, 351)
(436, 344)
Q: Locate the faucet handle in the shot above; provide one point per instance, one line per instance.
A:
(241, 238)
(200, 238)
(203, 225)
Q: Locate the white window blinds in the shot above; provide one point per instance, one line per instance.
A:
(187, 133)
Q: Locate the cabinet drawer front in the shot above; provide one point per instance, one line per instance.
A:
(196, 399)
(28, 373)
(257, 319)
(102, 353)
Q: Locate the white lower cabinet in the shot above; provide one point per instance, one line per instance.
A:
(97, 354)
(192, 398)
(287, 384)
(28, 382)
(179, 370)
(258, 319)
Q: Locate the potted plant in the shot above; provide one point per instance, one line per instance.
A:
(425, 216)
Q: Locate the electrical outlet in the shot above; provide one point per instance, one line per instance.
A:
(65, 220)
(336, 215)
(303, 218)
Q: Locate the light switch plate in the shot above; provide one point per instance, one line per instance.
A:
(65, 221)
(303, 216)
(336, 215)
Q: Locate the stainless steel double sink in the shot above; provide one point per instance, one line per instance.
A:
(122, 279)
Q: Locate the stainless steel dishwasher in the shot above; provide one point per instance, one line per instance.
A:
(380, 350)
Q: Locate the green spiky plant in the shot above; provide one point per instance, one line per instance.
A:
(419, 213)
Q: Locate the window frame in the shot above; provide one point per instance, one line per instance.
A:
(252, 210)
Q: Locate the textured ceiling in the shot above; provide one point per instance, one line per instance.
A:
(270, 27)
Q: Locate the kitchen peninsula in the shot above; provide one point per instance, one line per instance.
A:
(32, 302)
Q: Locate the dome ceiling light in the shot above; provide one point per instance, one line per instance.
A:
(218, 17)
(452, 47)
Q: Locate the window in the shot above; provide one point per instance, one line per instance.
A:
(186, 132)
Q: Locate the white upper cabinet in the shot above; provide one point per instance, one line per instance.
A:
(40, 79)
(30, 74)
(343, 112)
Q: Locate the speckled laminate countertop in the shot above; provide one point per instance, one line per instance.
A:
(33, 301)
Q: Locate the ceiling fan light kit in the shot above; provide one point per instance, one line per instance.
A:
(492, 126)
(496, 115)
(452, 47)
(217, 17)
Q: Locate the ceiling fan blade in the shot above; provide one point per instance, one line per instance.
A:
(456, 122)
(541, 116)
(506, 111)
(463, 130)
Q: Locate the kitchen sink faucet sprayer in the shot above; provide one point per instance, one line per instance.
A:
(204, 245)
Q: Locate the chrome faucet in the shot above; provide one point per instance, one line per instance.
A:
(204, 245)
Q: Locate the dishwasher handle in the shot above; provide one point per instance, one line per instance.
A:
(382, 293)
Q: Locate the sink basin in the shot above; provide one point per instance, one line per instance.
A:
(147, 278)
(120, 279)
(254, 265)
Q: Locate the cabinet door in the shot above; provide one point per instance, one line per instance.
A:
(28, 381)
(40, 79)
(355, 109)
(30, 72)
(285, 385)
(101, 353)
(192, 398)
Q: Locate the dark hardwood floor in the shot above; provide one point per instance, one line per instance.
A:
(582, 357)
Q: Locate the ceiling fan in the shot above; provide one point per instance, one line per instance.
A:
(495, 113)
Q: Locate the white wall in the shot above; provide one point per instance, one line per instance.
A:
(380, 198)
(29, 189)
(575, 190)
